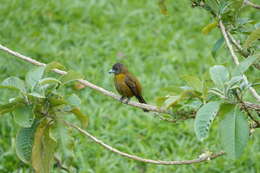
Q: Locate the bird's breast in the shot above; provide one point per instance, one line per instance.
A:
(121, 86)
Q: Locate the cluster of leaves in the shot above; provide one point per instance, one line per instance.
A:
(223, 100)
(229, 11)
(38, 109)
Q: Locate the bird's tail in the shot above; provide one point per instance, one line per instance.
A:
(141, 100)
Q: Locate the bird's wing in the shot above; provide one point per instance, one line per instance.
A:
(132, 85)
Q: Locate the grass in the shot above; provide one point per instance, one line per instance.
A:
(89, 37)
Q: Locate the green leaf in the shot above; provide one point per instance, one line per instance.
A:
(49, 81)
(194, 82)
(74, 100)
(33, 77)
(255, 35)
(24, 116)
(216, 46)
(234, 132)
(204, 119)
(244, 65)
(13, 83)
(209, 27)
(54, 65)
(24, 143)
(43, 149)
(71, 76)
(81, 117)
(219, 75)
(9, 107)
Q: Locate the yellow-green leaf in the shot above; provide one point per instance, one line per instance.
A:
(81, 117)
(43, 149)
(54, 65)
(163, 7)
(209, 27)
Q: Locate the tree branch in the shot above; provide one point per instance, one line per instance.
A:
(105, 92)
(249, 3)
(234, 57)
(202, 158)
(87, 83)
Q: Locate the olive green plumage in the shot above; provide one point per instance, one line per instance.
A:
(126, 84)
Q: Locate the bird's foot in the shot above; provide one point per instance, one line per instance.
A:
(122, 99)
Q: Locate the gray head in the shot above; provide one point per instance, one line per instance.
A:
(118, 68)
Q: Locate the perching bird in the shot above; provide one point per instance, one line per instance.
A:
(126, 84)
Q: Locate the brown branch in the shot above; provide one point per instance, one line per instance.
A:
(249, 3)
(87, 83)
(234, 57)
(102, 90)
(203, 158)
(256, 107)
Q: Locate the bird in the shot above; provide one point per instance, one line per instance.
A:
(127, 84)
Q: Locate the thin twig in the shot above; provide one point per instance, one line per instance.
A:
(59, 164)
(237, 46)
(234, 57)
(134, 157)
(151, 108)
(249, 3)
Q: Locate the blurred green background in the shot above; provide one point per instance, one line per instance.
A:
(89, 37)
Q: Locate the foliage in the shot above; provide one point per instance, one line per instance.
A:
(36, 109)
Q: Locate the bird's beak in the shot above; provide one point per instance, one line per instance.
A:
(111, 71)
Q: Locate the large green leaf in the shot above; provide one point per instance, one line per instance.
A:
(219, 75)
(234, 132)
(24, 143)
(194, 82)
(13, 83)
(255, 35)
(24, 115)
(33, 77)
(71, 76)
(244, 65)
(43, 149)
(204, 119)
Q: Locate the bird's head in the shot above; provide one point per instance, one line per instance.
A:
(118, 68)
